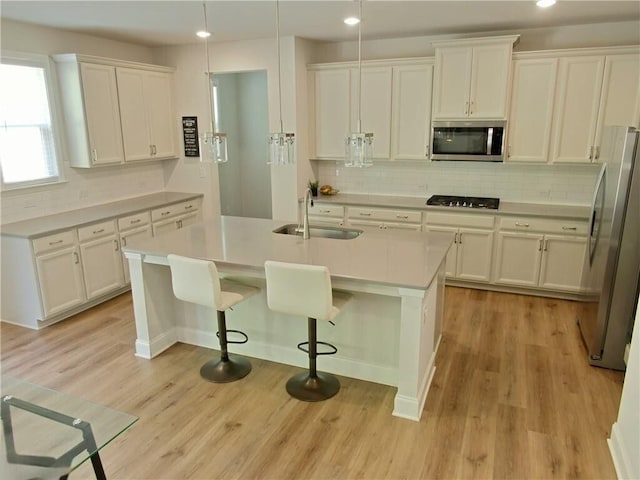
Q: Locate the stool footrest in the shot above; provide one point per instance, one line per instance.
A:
(333, 351)
(246, 338)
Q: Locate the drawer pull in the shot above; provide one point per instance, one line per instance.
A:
(76, 258)
(124, 241)
(95, 232)
(115, 245)
(188, 207)
(164, 214)
(56, 242)
(540, 245)
(362, 214)
(325, 211)
(133, 222)
(525, 225)
(569, 228)
(546, 242)
(402, 216)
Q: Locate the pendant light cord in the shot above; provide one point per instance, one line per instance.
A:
(206, 50)
(279, 73)
(360, 68)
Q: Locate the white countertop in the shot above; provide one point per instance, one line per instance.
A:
(419, 203)
(404, 259)
(39, 226)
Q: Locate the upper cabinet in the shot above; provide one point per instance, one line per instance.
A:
(472, 78)
(395, 107)
(593, 91)
(116, 112)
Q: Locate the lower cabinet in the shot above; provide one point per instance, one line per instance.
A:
(61, 284)
(549, 261)
(128, 235)
(102, 266)
(385, 218)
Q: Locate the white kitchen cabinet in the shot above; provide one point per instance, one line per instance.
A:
(131, 228)
(146, 110)
(332, 111)
(375, 107)
(411, 111)
(576, 108)
(543, 253)
(472, 78)
(325, 213)
(385, 218)
(101, 259)
(59, 271)
(532, 100)
(174, 217)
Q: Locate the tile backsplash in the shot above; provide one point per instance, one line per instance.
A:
(565, 184)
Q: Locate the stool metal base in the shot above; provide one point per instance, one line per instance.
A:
(313, 389)
(224, 371)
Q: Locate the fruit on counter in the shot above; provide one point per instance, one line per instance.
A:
(326, 189)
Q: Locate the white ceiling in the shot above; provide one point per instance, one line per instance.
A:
(156, 23)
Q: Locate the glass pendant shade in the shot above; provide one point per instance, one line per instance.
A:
(281, 149)
(213, 147)
(359, 150)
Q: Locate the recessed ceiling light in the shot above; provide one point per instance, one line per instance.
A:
(545, 3)
(203, 34)
(352, 21)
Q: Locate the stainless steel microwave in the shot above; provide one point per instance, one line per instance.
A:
(479, 141)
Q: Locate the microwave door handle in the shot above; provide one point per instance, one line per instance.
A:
(489, 140)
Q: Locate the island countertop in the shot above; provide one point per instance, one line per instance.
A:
(398, 258)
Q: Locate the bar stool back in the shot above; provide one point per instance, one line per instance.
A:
(305, 290)
(197, 281)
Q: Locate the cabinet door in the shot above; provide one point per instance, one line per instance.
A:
(375, 107)
(534, 83)
(141, 233)
(620, 98)
(475, 248)
(60, 278)
(100, 95)
(452, 82)
(452, 255)
(159, 106)
(102, 266)
(518, 261)
(332, 105)
(577, 100)
(136, 134)
(489, 81)
(411, 116)
(187, 219)
(562, 262)
(402, 226)
(168, 225)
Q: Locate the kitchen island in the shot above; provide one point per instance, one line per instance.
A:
(388, 334)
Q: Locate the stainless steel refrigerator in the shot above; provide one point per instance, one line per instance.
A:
(611, 274)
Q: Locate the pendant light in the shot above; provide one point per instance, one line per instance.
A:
(359, 145)
(280, 143)
(213, 145)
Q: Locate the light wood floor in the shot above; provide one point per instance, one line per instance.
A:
(512, 397)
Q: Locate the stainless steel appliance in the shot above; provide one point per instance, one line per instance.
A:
(612, 262)
(479, 141)
(465, 202)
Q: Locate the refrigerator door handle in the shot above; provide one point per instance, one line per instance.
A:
(592, 216)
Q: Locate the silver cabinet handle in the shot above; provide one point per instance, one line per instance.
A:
(540, 245)
(466, 108)
(188, 207)
(56, 242)
(426, 153)
(95, 232)
(525, 225)
(471, 107)
(591, 153)
(325, 211)
(151, 150)
(179, 223)
(597, 151)
(546, 242)
(76, 258)
(124, 241)
(402, 216)
(94, 155)
(164, 214)
(569, 228)
(363, 214)
(133, 222)
(116, 246)
(508, 151)
(460, 238)
(155, 150)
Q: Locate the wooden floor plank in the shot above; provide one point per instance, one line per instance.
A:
(513, 396)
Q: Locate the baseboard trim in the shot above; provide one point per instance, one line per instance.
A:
(153, 348)
(619, 455)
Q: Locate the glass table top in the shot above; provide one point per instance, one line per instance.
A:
(39, 423)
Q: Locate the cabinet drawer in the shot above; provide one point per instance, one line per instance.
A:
(458, 220)
(53, 242)
(547, 225)
(132, 221)
(325, 210)
(409, 216)
(96, 230)
(174, 209)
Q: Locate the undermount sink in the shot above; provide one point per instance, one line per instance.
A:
(318, 231)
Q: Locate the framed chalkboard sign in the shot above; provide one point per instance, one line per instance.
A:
(190, 136)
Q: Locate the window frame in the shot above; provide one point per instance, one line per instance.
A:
(57, 126)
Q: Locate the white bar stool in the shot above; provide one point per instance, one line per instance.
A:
(197, 281)
(306, 290)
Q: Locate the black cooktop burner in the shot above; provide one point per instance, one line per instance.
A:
(467, 202)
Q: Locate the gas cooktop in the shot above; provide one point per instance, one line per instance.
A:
(466, 202)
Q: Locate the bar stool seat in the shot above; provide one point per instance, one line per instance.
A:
(197, 281)
(305, 290)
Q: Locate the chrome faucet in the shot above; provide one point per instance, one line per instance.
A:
(308, 198)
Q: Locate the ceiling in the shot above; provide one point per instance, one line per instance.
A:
(158, 23)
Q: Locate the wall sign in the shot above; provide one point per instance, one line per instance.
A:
(190, 136)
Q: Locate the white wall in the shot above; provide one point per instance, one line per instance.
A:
(83, 187)
(625, 433)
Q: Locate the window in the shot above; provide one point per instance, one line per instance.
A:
(29, 141)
